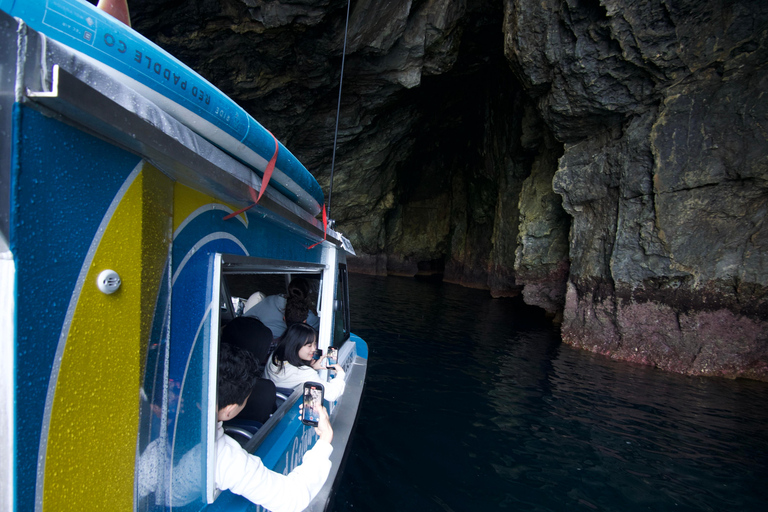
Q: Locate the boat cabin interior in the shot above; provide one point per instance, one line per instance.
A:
(244, 283)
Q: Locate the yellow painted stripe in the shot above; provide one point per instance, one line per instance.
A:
(187, 201)
(90, 456)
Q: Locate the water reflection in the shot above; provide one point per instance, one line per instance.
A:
(474, 404)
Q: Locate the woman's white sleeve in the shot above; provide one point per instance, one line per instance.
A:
(334, 388)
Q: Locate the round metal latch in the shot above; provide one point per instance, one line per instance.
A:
(108, 281)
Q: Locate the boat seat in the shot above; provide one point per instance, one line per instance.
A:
(284, 392)
(241, 430)
(261, 404)
(281, 395)
(249, 334)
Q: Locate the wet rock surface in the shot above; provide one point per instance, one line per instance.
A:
(607, 159)
(663, 173)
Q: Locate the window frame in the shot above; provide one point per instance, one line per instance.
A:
(238, 264)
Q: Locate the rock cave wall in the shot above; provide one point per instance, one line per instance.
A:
(605, 158)
(661, 109)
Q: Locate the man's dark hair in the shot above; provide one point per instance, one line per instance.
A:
(297, 301)
(238, 372)
(296, 312)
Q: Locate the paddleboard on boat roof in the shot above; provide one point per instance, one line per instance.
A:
(153, 72)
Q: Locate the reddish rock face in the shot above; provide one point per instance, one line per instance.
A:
(670, 333)
(606, 159)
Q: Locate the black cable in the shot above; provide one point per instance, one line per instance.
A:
(338, 110)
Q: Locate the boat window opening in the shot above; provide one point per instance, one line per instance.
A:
(239, 293)
(242, 283)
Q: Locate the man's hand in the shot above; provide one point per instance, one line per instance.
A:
(323, 427)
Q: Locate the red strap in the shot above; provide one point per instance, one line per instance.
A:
(325, 229)
(264, 182)
(267, 172)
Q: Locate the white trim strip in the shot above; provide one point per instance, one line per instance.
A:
(7, 379)
(213, 365)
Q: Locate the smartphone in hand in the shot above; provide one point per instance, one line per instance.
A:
(333, 354)
(313, 401)
(333, 358)
(317, 355)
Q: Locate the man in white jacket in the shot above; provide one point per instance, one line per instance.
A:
(243, 473)
(235, 469)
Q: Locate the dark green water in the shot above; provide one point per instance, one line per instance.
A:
(474, 404)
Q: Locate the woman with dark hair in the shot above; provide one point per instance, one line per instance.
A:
(291, 363)
(278, 312)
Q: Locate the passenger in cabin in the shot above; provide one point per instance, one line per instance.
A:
(291, 363)
(276, 311)
(243, 473)
(252, 335)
